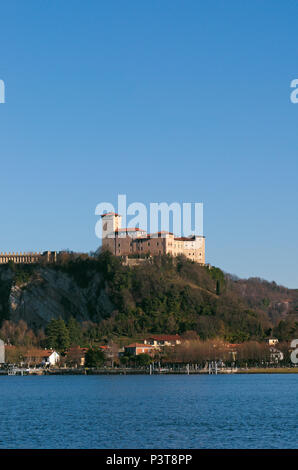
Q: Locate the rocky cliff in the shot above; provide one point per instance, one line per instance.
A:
(44, 293)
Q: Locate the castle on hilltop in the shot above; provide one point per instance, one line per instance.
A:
(134, 241)
(125, 242)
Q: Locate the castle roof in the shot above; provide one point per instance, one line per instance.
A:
(129, 229)
(110, 213)
(185, 239)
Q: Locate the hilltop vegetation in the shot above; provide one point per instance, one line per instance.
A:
(164, 295)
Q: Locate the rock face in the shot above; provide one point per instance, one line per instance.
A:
(50, 293)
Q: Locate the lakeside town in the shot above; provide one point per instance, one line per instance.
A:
(155, 354)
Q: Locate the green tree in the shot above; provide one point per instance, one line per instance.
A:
(57, 334)
(75, 332)
(94, 358)
(124, 360)
(143, 359)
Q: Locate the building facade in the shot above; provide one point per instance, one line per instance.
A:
(163, 340)
(138, 348)
(135, 241)
(41, 356)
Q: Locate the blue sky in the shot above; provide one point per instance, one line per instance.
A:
(161, 101)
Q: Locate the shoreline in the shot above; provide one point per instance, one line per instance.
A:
(57, 372)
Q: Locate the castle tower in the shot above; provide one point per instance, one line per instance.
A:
(110, 223)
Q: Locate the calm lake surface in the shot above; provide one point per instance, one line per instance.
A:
(239, 411)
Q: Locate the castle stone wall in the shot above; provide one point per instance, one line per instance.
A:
(28, 258)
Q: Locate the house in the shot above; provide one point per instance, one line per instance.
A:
(163, 340)
(272, 341)
(50, 357)
(107, 350)
(137, 348)
(41, 356)
(76, 355)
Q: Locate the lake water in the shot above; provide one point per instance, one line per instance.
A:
(239, 411)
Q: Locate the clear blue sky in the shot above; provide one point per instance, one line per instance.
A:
(159, 100)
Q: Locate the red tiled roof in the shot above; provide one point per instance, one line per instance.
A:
(164, 337)
(232, 345)
(185, 239)
(129, 229)
(110, 213)
(139, 345)
(39, 353)
(160, 233)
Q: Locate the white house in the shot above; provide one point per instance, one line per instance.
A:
(41, 356)
(50, 357)
(163, 340)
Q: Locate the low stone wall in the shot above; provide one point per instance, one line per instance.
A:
(28, 258)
